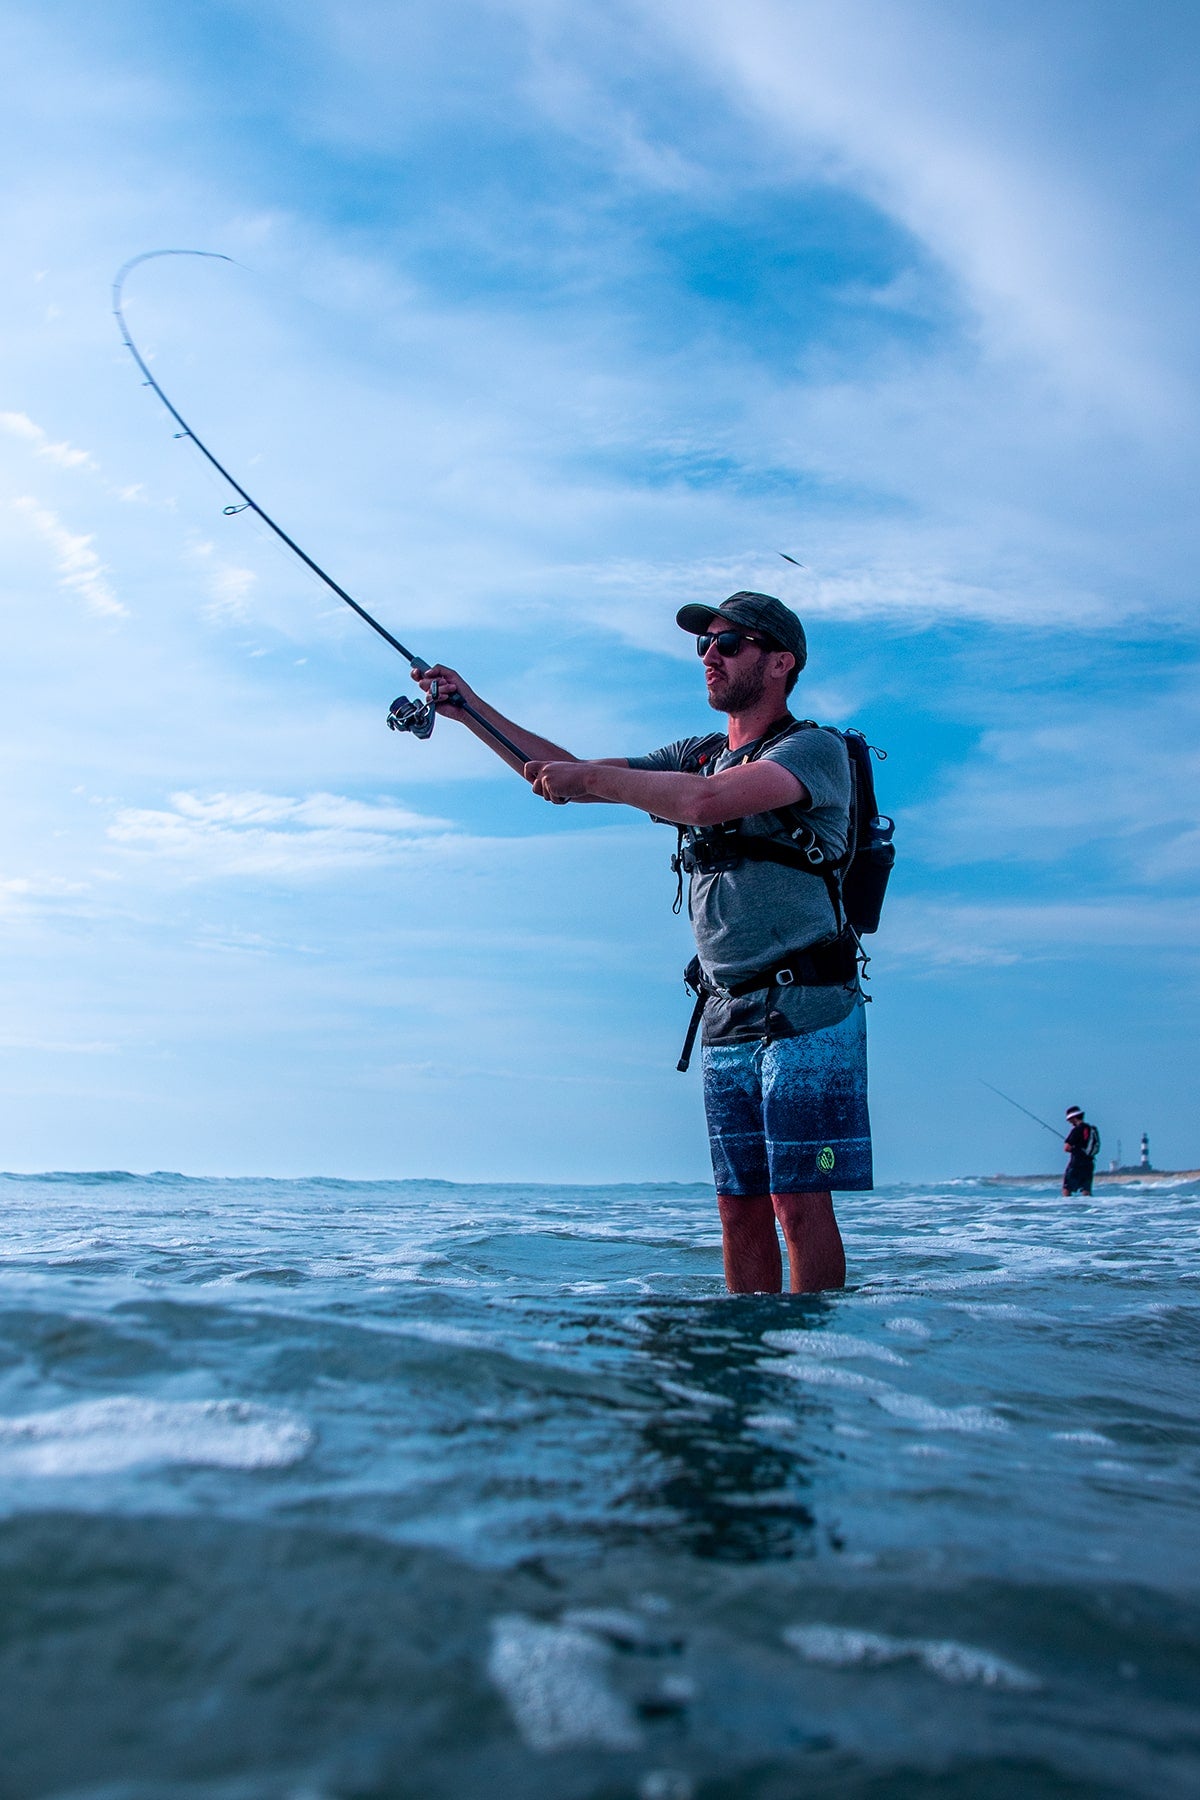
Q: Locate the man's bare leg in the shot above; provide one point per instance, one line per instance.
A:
(753, 1264)
(816, 1258)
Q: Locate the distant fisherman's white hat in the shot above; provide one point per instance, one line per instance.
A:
(1074, 1112)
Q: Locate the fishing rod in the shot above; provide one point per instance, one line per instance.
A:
(404, 714)
(1020, 1108)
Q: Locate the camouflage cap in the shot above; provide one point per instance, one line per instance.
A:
(756, 612)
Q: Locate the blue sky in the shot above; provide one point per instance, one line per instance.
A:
(548, 317)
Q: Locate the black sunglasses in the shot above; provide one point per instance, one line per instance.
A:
(729, 642)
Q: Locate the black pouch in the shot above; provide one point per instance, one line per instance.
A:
(864, 883)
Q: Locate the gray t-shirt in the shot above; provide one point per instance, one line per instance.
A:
(751, 912)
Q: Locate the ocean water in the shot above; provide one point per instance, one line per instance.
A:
(325, 1490)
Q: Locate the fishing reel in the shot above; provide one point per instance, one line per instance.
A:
(420, 716)
(417, 716)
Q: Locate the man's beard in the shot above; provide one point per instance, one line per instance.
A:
(744, 691)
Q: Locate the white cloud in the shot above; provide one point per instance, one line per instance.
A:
(1024, 456)
(20, 425)
(964, 127)
(1038, 789)
(230, 587)
(80, 570)
(951, 933)
(23, 897)
(324, 811)
(579, 106)
(58, 1046)
(231, 592)
(273, 835)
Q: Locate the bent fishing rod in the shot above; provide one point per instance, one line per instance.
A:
(404, 714)
(1020, 1108)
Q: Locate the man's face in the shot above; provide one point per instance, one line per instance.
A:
(735, 683)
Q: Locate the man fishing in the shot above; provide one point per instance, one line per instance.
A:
(1082, 1145)
(764, 817)
(784, 1037)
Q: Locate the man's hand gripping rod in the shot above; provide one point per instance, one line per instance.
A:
(418, 716)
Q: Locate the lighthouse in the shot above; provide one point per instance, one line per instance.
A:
(1145, 1160)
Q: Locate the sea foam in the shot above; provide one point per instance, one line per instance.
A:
(914, 1409)
(102, 1437)
(838, 1647)
(554, 1678)
(831, 1345)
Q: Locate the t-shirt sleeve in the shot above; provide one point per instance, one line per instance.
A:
(668, 760)
(821, 761)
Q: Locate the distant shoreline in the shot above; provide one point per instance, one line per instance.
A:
(1116, 1178)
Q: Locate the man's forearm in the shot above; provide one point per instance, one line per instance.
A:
(682, 799)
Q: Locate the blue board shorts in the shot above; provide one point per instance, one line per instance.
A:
(790, 1117)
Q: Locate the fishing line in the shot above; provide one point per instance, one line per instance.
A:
(405, 714)
(1029, 1115)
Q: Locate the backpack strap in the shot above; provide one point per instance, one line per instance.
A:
(700, 760)
(803, 852)
(704, 754)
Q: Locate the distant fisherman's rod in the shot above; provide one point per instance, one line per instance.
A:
(1020, 1108)
(405, 715)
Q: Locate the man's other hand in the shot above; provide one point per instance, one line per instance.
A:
(557, 781)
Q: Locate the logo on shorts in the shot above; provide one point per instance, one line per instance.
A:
(826, 1158)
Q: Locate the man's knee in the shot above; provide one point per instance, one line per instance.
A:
(747, 1220)
(741, 1212)
(803, 1209)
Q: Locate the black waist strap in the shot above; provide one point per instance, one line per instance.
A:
(821, 965)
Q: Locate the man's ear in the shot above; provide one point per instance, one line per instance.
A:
(789, 661)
